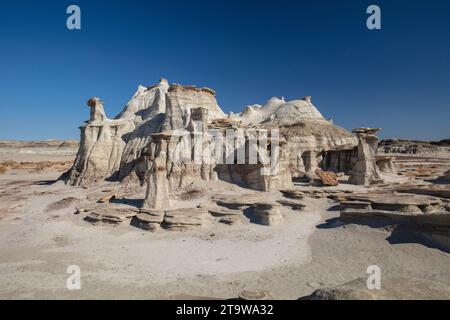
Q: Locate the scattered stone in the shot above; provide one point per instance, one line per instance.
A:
(327, 178)
(314, 284)
(255, 295)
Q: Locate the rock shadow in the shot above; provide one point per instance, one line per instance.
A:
(130, 202)
(400, 233)
(248, 213)
(439, 180)
(331, 224)
(45, 182)
(334, 208)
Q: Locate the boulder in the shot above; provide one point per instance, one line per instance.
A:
(255, 295)
(185, 219)
(267, 213)
(149, 219)
(109, 214)
(386, 165)
(327, 178)
(225, 215)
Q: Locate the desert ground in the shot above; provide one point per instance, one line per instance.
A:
(42, 232)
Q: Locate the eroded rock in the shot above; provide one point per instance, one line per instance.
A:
(267, 213)
(149, 219)
(386, 165)
(110, 215)
(365, 171)
(327, 178)
(185, 219)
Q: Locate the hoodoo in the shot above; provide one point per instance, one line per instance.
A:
(169, 136)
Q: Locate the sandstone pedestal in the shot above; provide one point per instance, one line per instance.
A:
(157, 196)
(97, 111)
(365, 171)
(267, 213)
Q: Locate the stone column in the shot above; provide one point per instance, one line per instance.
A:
(157, 195)
(310, 160)
(97, 111)
(365, 170)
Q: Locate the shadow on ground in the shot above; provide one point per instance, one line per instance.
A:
(400, 233)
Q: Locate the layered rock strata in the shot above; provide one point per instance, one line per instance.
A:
(267, 213)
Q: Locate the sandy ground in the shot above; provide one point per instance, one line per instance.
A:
(290, 260)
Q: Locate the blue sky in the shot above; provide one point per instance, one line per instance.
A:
(397, 78)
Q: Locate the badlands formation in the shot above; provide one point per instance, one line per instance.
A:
(275, 199)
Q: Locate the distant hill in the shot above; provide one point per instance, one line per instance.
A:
(56, 147)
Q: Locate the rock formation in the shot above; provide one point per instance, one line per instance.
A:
(365, 170)
(169, 136)
(115, 148)
(386, 164)
(267, 213)
(327, 178)
(157, 195)
(97, 111)
(424, 215)
(173, 220)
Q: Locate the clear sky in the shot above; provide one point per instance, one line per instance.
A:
(396, 78)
